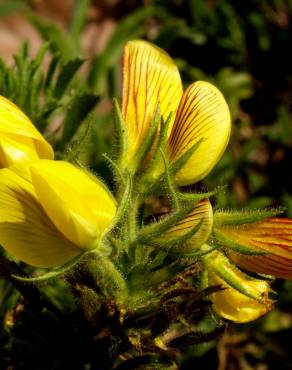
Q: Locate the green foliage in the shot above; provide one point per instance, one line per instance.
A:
(103, 65)
(45, 94)
(10, 6)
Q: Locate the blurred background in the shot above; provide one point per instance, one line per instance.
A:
(243, 47)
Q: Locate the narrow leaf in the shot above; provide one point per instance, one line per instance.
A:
(238, 218)
(80, 107)
(66, 75)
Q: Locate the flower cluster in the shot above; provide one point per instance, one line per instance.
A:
(52, 211)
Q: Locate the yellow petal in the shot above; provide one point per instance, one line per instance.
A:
(149, 78)
(78, 205)
(201, 213)
(26, 232)
(202, 114)
(14, 150)
(235, 306)
(17, 126)
(274, 236)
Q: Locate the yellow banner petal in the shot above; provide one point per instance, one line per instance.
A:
(274, 236)
(26, 232)
(203, 114)
(150, 77)
(201, 213)
(15, 124)
(79, 205)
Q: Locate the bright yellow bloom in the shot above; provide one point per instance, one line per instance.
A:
(150, 78)
(51, 211)
(243, 298)
(202, 114)
(19, 139)
(273, 236)
(202, 216)
(235, 306)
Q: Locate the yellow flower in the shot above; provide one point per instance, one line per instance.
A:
(202, 217)
(235, 306)
(51, 211)
(150, 78)
(272, 235)
(243, 298)
(19, 139)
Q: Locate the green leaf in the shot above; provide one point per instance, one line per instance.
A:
(78, 20)
(129, 28)
(10, 6)
(66, 75)
(80, 106)
(51, 71)
(59, 42)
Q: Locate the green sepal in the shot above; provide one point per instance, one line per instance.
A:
(228, 272)
(119, 176)
(124, 201)
(175, 242)
(120, 131)
(155, 230)
(116, 244)
(152, 174)
(196, 197)
(162, 139)
(244, 217)
(155, 184)
(149, 140)
(201, 252)
(54, 273)
(170, 188)
(236, 247)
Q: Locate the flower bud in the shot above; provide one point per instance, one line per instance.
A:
(201, 219)
(268, 243)
(243, 298)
